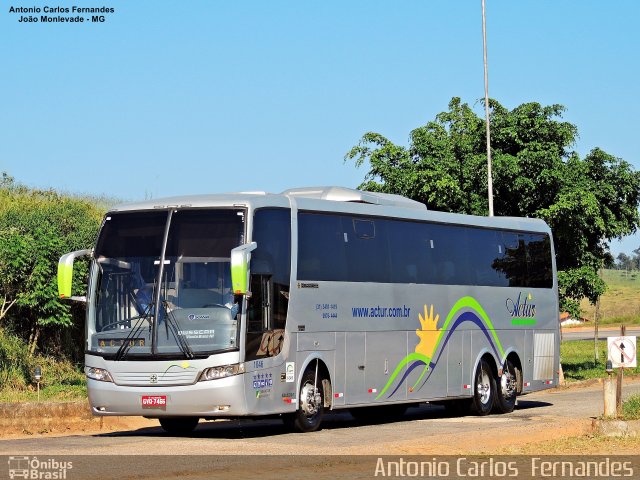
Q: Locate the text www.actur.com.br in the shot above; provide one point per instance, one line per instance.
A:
(381, 312)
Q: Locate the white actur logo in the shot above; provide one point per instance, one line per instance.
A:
(27, 467)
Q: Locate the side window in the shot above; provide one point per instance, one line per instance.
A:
(410, 252)
(513, 264)
(321, 247)
(486, 247)
(269, 284)
(539, 261)
(450, 247)
(367, 249)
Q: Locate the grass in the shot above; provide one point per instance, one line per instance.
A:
(578, 362)
(620, 303)
(631, 408)
(61, 380)
(52, 393)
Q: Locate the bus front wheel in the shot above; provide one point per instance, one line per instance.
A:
(179, 425)
(484, 391)
(308, 417)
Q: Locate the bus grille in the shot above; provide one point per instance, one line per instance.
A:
(153, 379)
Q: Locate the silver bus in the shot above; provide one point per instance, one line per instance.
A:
(315, 299)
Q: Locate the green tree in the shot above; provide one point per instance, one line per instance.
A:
(587, 201)
(36, 228)
(625, 262)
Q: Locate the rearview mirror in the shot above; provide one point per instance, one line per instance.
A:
(65, 274)
(240, 257)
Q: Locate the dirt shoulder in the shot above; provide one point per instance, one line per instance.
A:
(28, 419)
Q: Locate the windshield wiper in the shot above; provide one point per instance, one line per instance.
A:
(124, 348)
(172, 323)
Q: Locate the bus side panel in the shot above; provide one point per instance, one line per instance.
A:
(468, 364)
(455, 354)
(527, 362)
(355, 392)
(339, 370)
(385, 350)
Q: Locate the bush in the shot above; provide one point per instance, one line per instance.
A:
(631, 408)
(17, 366)
(14, 361)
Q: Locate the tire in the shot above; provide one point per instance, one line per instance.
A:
(507, 389)
(308, 417)
(484, 389)
(179, 425)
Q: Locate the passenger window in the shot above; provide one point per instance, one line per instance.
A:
(321, 247)
(539, 261)
(451, 252)
(367, 250)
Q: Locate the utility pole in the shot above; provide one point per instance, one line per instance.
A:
(486, 110)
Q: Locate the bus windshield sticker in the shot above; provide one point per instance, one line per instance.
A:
(290, 372)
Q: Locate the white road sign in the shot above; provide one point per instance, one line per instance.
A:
(622, 351)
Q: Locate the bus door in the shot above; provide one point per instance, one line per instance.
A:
(458, 356)
(355, 391)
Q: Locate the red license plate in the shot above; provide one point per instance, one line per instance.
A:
(154, 401)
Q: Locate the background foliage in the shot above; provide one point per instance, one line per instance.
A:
(36, 228)
(587, 201)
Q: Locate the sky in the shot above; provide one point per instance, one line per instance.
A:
(206, 96)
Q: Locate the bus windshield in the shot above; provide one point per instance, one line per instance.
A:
(182, 308)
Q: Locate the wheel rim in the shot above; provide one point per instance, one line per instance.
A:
(309, 400)
(483, 387)
(508, 384)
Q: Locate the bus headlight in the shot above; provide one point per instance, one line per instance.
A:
(98, 374)
(222, 371)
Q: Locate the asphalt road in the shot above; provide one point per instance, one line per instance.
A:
(571, 334)
(425, 429)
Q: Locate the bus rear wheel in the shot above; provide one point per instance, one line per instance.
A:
(308, 417)
(507, 389)
(179, 425)
(484, 391)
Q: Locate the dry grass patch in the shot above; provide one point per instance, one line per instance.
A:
(580, 445)
(621, 302)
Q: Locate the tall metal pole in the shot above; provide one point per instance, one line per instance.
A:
(486, 111)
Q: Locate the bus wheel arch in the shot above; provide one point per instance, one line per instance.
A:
(314, 395)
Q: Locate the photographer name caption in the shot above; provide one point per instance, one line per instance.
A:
(73, 14)
(534, 467)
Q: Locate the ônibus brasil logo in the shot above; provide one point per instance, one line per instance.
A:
(28, 467)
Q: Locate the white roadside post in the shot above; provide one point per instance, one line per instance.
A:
(37, 375)
(609, 392)
(622, 353)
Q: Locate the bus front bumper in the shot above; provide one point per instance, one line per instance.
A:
(222, 397)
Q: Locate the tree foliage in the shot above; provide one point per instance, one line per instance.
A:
(587, 201)
(36, 228)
